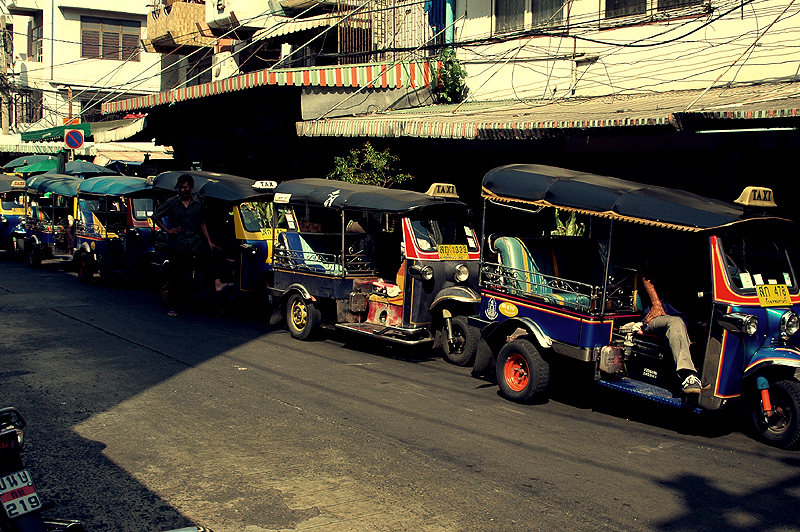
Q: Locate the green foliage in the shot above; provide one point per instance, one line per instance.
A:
(571, 228)
(368, 166)
(452, 88)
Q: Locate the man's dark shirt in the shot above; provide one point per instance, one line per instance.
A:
(187, 218)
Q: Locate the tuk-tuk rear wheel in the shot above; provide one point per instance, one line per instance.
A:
(783, 428)
(461, 350)
(302, 317)
(522, 374)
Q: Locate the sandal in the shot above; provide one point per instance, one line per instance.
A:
(172, 313)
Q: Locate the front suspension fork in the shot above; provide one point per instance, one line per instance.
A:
(762, 384)
(448, 325)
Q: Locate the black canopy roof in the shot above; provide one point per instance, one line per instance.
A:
(224, 187)
(342, 195)
(608, 197)
(7, 180)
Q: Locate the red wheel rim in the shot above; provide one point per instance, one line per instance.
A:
(515, 372)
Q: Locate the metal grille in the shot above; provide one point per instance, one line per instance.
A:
(377, 30)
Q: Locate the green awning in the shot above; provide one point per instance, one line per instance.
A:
(54, 133)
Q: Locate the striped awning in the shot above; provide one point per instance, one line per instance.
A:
(421, 74)
(521, 120)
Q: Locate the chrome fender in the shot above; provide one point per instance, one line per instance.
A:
(461, 294)
(772, 356)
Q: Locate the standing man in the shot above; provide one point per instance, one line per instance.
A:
(188, 237)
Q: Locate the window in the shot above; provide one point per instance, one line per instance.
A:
(35, 40)
(29, 105)
(103, 38)
(514, 15)
(624, 8)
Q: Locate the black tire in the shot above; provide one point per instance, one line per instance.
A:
(302, 317)
(164, 293)
(783, 429)
(522, 373)
(461, 351)
(85, 269)
(34, 257)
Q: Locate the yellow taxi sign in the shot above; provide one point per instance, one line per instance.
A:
(756, 197)
(18, 183)
(442, 190)
(773, 295)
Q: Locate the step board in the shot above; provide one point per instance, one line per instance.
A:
(649, 391)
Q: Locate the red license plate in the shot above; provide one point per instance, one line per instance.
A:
(18, 495)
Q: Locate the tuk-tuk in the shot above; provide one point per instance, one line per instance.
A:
(12, 208)
(561, 279)
(394, 264)
(113, 227)
(50, 217)
(240, 221)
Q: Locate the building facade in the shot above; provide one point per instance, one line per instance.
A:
(69, 57)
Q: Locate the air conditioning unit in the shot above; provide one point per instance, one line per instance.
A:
(224, 66)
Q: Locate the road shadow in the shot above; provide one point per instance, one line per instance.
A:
(717, 508)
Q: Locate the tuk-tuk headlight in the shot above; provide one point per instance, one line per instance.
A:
(738, 322)
(460, 273)
(421, 272)
(789, 324)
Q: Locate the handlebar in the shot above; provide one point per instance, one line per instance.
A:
(10, 416)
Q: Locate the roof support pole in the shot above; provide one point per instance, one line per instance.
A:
(605, 269)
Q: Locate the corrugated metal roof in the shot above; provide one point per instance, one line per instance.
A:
(286, 25)
(535, 118)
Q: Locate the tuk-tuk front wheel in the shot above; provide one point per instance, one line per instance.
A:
(302, 317)
(522, 374)
(34, 257)
(782, 428)
(461, 348)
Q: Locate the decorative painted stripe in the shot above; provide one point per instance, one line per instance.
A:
(383, 75)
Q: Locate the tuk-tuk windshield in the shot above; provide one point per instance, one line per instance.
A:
(12, 200)
(257, 215)
(430, 234)
(142, 208)
(755, 260)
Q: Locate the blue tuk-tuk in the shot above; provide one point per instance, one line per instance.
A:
(50, 218)
(12, 208)
(391, 264)
(240, 220)
(113, 227)
(562, 279)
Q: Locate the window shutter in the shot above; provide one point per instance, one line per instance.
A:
(90, 44)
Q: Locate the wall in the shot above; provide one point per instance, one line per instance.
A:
(689, 51)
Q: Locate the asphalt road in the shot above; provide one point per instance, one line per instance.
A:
(140, 422)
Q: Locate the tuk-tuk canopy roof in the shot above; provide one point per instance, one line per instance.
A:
(61, 184)
(113, 185)
(7, 180)
(608, 197)
(224, 187)
(342, 195)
